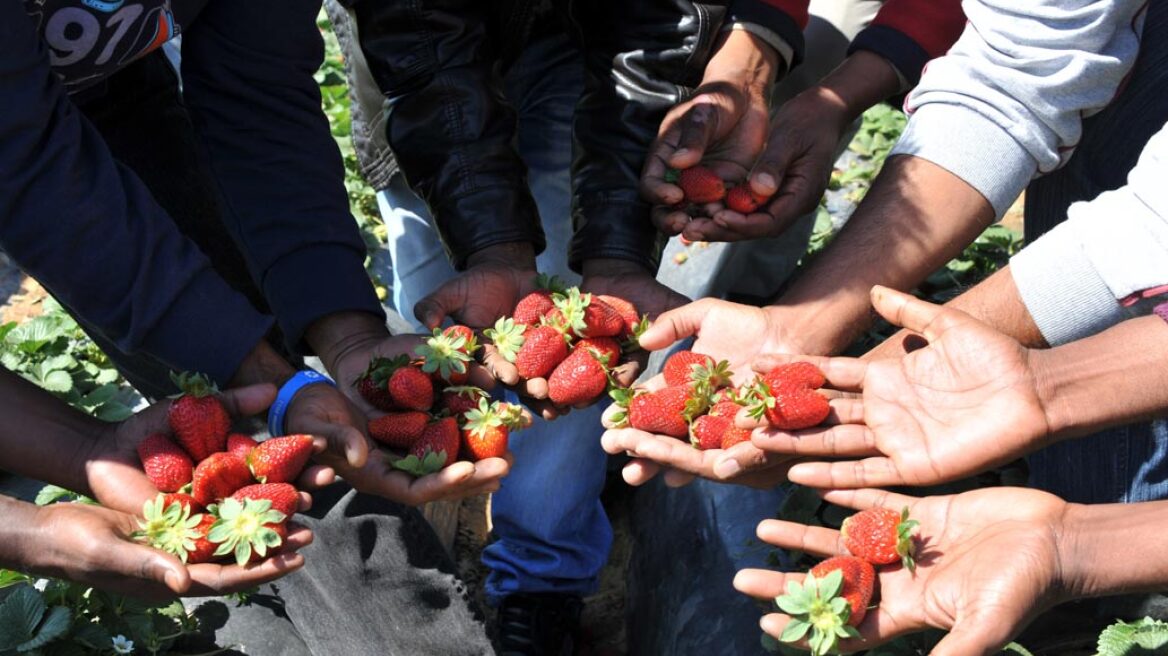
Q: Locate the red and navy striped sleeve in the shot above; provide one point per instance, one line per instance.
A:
(786, 18)
(908, 33)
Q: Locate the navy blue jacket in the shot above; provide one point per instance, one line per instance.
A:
(88, 229)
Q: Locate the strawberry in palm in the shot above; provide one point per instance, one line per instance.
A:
(436, 448)
(246, 527)
(198, 420)
(169, 526)
(581, 377)
(698, 183)
(373, 385)
(829, 604)
(282, 496)
(487, 427)
(446, 354)
(786, 396)
(166, 464)
(880, 536)
(456, 401)
(689, 368)
(536, 305)
(409, 387)
(665, 412)
(585, 316)
(280, 459)
(220, 475)
(399, 430)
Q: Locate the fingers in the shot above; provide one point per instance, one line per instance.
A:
(480, 376)
(210, 579)
(676, 324)
(653, 186)
(340, 440)
(668, 220)
(868, 498)
(626, 374)
(696, 129)
(909, 312)
(876, 471)
(815, 540)
(505, 372)
(148, 564)
(675, 478)
(639, 471)
(843, 441)
(249, 400)
(763, 583)
(432, 310)
(844, 374)
(460, 479)
(315, 477)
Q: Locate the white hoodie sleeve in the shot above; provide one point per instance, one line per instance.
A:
(1008, 100)
(1075, 279)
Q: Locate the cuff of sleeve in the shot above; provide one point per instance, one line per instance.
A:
(776, 21)
(1063, 292)
(905, 56)
(314, 282)
(617, 228)
(772, 38)
(972, 147)
(487, 217)
(211, 330)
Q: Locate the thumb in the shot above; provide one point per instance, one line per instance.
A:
(248, 401)
(342, 441)
(909, 312)
(771, 167)
(432, 310)
(144, 563)
(676, 324)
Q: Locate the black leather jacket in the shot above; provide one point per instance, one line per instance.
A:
(453, 134)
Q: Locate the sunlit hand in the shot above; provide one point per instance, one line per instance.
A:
(965, 403)
(988, 562)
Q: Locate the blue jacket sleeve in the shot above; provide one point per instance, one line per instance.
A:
(90, 232)
(248, 83)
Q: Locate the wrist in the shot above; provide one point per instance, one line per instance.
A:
(744, 60)
(513, 255)
(612, 267)
(262, 365)
(336, 336)
(22, 525)
(861, 81)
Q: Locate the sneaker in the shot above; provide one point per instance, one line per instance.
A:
(542, 624)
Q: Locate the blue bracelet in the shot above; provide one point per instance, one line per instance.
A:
(287, 392)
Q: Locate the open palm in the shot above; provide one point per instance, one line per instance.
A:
(965, 403)
(987, 563)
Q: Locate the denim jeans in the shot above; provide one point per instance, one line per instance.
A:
(551, 533)
(1128, 463)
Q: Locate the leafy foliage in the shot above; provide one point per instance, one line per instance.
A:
(1147, 636)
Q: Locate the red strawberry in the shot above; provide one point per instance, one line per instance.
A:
(585, 316)
(626, 310)
(579, 378)
(197, 418)
(456, 401)
(165, 463)
(283, 496)
(536, 305)
(544, 348)
(399, 430)
(470, 343)
(168, 526)
(881, 536)
(726, 408)
(608, 348)
(734, 435)
(665, 412)
(373, 385)
(437, 448)
(810, 604)
(281, 531)
(411, 389)
(679, 367)
(247, 527)
(487, 429)
(240, 444)
(743, 200)
(280, 459)
(802, 374)
(786, 397)
(220, 475)
(185, 500)
(707, 431)
(204, 549)
(445, 356)
(701, 185)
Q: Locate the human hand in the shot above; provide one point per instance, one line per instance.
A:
(495, 279)
(722, 126)
(93, 545)
(114, 472)
(988, 562)
(965, 403)
(725, 331)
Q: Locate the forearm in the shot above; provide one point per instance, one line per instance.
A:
(916, 218)
(42, 437)
(18, 534)
(1110, 549)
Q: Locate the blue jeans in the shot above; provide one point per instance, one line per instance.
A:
(1128, 463)
(551, 532)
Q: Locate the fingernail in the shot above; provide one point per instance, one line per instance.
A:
(171, 578)
(765, 179)
(727, 468)
(681, 152)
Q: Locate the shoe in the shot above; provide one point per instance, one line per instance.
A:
(542, 624)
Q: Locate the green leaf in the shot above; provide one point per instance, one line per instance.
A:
(795, 630)
(9, 578)
(113, 411)
(20, 614)
(55, 625)
(830, 585)
(92, 635)
(57, 381)
(106, 376)
(1147, 636)
(793, 604)
(52, 494)
(100, 395)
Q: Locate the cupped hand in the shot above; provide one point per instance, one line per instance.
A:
(988, 562)
(965, 403)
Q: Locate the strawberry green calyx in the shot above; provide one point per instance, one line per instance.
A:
(714, 377)
(904, 540)
(244, 527)
(760, 398)
(429, 464)
(507, 337)
(169, 528)
(571, 307)
(633, 341)
(444, 353)
(816, 607)
(380, 369)
(482, 419)
(552, 284)
(193, 384)
(621, 396)
(672, 175)
(510, 414)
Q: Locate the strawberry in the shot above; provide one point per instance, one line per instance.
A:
(470, 343)
(373, 385)
(220, 475)
(786, 397)
(533, 307)
(399, 430)
(508, 337)
(707, 431)
(488, 427)
(280, 459)
(168, 526)
(203, 550)
(283, 496)
(411, 389)
(743, 200)
(726, 408)
(689, 368)
(165, 463)
(734, 435)
(437, 448)
(186, 500)
(244, 527)
(197, 418)
(444, 356)
(456, 401)
(699, 184)
(281, 531)
(829, 604)
(240, 444)
(607, 348)
(544, 348)
(881, 536)
(802, 374)
(626, 310)
(665, 412)
(585, 316)
(579, 378)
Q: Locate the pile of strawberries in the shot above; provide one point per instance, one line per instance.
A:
(573, 340)
(432, 415)
(223, 495)
(835, 595)
(702, 186)
(699, 402)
